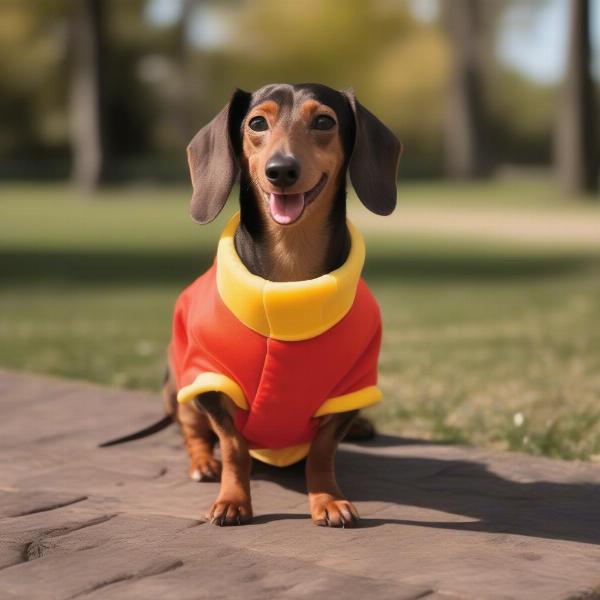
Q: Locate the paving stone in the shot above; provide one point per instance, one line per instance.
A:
(438, 522)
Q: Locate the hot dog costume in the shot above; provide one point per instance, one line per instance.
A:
(284, 352)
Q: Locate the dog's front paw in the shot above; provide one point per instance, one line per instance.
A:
(205, 468)
(328, 511)
(230, 511)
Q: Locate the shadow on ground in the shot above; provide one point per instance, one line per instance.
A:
(563, 511)
(99, 267)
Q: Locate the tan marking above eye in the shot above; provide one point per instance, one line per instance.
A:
(269, 110)
(311, 108)
(308, 109)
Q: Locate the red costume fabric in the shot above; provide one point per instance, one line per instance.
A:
(279, 386)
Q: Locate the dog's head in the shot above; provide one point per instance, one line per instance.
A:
(293, 145)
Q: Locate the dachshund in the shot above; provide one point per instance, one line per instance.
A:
(274, 349)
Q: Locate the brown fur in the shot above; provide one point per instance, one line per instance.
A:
(318, 152)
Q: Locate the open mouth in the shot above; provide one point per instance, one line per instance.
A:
(288, 208)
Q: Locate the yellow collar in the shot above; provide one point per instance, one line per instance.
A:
(290, 311)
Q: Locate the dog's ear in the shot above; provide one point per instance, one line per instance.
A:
(213, 159)
(374, 161)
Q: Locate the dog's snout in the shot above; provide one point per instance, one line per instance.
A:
(282, 170)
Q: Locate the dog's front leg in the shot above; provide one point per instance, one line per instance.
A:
(233, 505)
(328, 506)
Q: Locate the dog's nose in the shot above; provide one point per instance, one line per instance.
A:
(282, 170)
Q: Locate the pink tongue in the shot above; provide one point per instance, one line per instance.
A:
(286, 208)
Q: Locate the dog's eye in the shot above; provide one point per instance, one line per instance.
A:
(323, 122)
(258, 124)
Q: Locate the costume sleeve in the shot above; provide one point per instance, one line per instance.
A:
(358, 389)
(194, 371)
(178, 348)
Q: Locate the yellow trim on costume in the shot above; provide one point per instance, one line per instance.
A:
(282, 457)
(352, 401)
(289, 311)
(213, 382)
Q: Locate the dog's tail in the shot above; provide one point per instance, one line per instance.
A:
(142, 433)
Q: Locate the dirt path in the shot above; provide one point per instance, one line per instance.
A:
(557, 228)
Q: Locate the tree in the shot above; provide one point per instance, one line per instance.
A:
(86, 100)
(576, 148)
(182, 105)
(466, 153)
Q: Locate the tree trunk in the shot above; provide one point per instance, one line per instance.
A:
(86, 94)
(183, 101)
(576, 149)
(466, 154)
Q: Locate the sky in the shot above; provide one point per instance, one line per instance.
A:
(532, 41)
(535, 43)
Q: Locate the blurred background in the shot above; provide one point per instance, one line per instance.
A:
(487, 274)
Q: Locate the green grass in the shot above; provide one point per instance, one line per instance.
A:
(488, 343)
